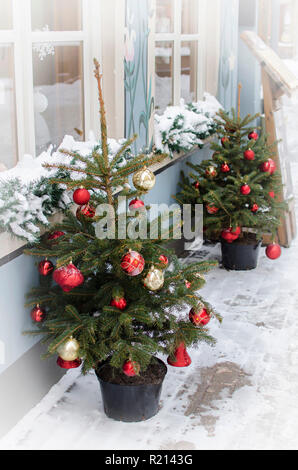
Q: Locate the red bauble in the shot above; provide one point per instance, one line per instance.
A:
(225, 168)
(131, 368)
(188, 284)
(249, 154)
(81, 196)
(196, 185)
(132, 263)
(230, 236)
(253, 136)
(68, 277)
(45, 267)
(182, 358)
(224, 141)
(119, 303)
(55, 235)
(255, 208)
(37, 314)
(245, 189)
(87, 210)
(273, 251)
(199, 317)
(211, 209)
(269, 166)
(68, 364)
(272, 194)
(136, 204)
(164, 260)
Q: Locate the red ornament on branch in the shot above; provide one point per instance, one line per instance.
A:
(164, 260)
(38, 314)
(253, 136)
(225, 168)
(68, 364)
(273, 251)
(272, 194)
(199, 316)
(255, 208)
(229, 235)
(81, 196)
(224, 141)
(55, 235)
(68, 277)
(269, 166)
(136, 204)
(188, 284)
(131, 368)
(211, 172)
(245, 189)
(196, 185)
(249, 154)
(119, 303)
(132, 263)
(182, 358)
(45, 267)
(212, 209)
(87, 211)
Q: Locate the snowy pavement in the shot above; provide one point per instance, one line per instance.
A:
(240, 394)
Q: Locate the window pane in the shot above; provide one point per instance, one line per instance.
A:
(56, 15)
(190, 12)
(164, 16)
(8, 140)
(5, 14)
(58, 95)
(163, 75)
(189, 63)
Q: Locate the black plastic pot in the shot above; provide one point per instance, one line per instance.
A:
(240, 256)
(130, 403)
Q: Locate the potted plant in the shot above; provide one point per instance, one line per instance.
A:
(239, 188)
(113, 306)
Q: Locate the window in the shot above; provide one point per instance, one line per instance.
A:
(181, 41)
(47, 88)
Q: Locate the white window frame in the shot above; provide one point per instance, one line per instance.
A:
(21, 37)
(208, 36)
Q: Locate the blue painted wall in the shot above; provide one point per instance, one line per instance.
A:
(16, 278)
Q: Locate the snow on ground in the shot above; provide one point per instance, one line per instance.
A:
(239, 394)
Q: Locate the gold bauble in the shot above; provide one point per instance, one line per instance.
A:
(144, 179)
(69, 350)
(154, 279)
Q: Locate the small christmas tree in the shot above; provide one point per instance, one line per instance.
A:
(114, 299)
(239, 185)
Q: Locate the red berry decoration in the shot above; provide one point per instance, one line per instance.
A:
(199, 317)
(182, 358)
(273, 251)
(224, 141)
(87, 211)
(55, 235)
(211, 172)
(132, 263)
(119, 303)
(68, 364)
(136, 204)
(229, 236)
(255, 208)
(196, 185)
(45, 267)
(164, 260)
(272, 194)
(212, 209)
(68, 277)
(269, 166)
(225, 168)
(81, 196)
(37, 314)
(131, 368)
(249, 154)
(253, 136)
(245, 189)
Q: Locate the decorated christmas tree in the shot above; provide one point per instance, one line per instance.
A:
(114, 299)
(239, 186)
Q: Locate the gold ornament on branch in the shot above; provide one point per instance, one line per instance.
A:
(144, 179)
(69, 350)
(154, 279)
